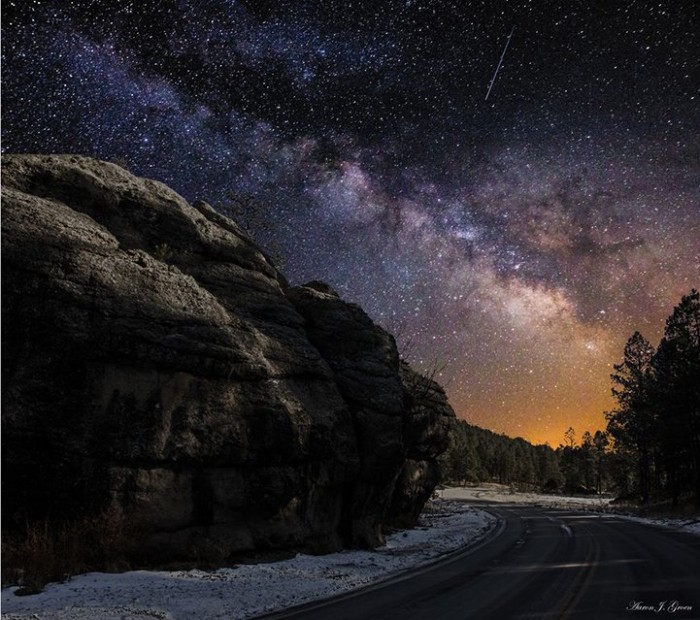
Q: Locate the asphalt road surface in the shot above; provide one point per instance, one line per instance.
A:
(541, 564)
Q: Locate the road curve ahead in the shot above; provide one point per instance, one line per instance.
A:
(544, 564)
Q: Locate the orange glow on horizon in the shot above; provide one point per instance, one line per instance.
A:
(546, 426)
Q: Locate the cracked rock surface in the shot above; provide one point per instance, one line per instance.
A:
(154, 361)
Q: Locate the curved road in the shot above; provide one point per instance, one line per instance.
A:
(541, 564)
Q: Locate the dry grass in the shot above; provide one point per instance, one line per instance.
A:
(46, 552)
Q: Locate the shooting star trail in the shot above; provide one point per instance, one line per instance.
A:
(500, 62)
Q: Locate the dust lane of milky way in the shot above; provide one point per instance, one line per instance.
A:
(517, 241)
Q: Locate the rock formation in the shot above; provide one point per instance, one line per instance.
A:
(156, 362)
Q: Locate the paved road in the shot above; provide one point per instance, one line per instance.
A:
(543, 564)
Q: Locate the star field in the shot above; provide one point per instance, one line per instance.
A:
(514, 244)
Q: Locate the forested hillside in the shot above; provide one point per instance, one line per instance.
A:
(480, 455)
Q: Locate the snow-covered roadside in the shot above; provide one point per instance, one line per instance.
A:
(498, 493)
(501, 494)
(687, 525)
(250, 590)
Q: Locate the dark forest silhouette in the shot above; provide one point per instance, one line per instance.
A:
(656, 426)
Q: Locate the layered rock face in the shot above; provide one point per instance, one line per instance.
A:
(156, 363)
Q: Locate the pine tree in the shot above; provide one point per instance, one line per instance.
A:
(632, 424)
(677, 396)
(601, 443)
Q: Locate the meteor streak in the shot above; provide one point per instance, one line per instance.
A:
(500, 62)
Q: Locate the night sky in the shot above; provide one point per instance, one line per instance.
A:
(516, 241)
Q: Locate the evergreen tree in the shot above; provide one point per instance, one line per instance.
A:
(549, 474)
(632, 424)
(600, 443)
(676, 396)
(587, 459)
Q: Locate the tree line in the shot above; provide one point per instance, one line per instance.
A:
(650, 450)
(479, 455)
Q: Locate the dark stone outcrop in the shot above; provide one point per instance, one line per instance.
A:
(427, 430)
(156, 362)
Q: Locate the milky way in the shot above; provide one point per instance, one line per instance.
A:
(511, 244)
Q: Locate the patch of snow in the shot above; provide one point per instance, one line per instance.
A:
(501, 494)
(249, 590)
(687, 525)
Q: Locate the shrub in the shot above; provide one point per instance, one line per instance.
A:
(47, 551)
(162, 252)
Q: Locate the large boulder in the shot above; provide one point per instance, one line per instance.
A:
(365, 362)
(154, 361)
(429, 420)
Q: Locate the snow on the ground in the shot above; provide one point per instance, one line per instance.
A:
(687, 525)
(499, 493)
(249, 590)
